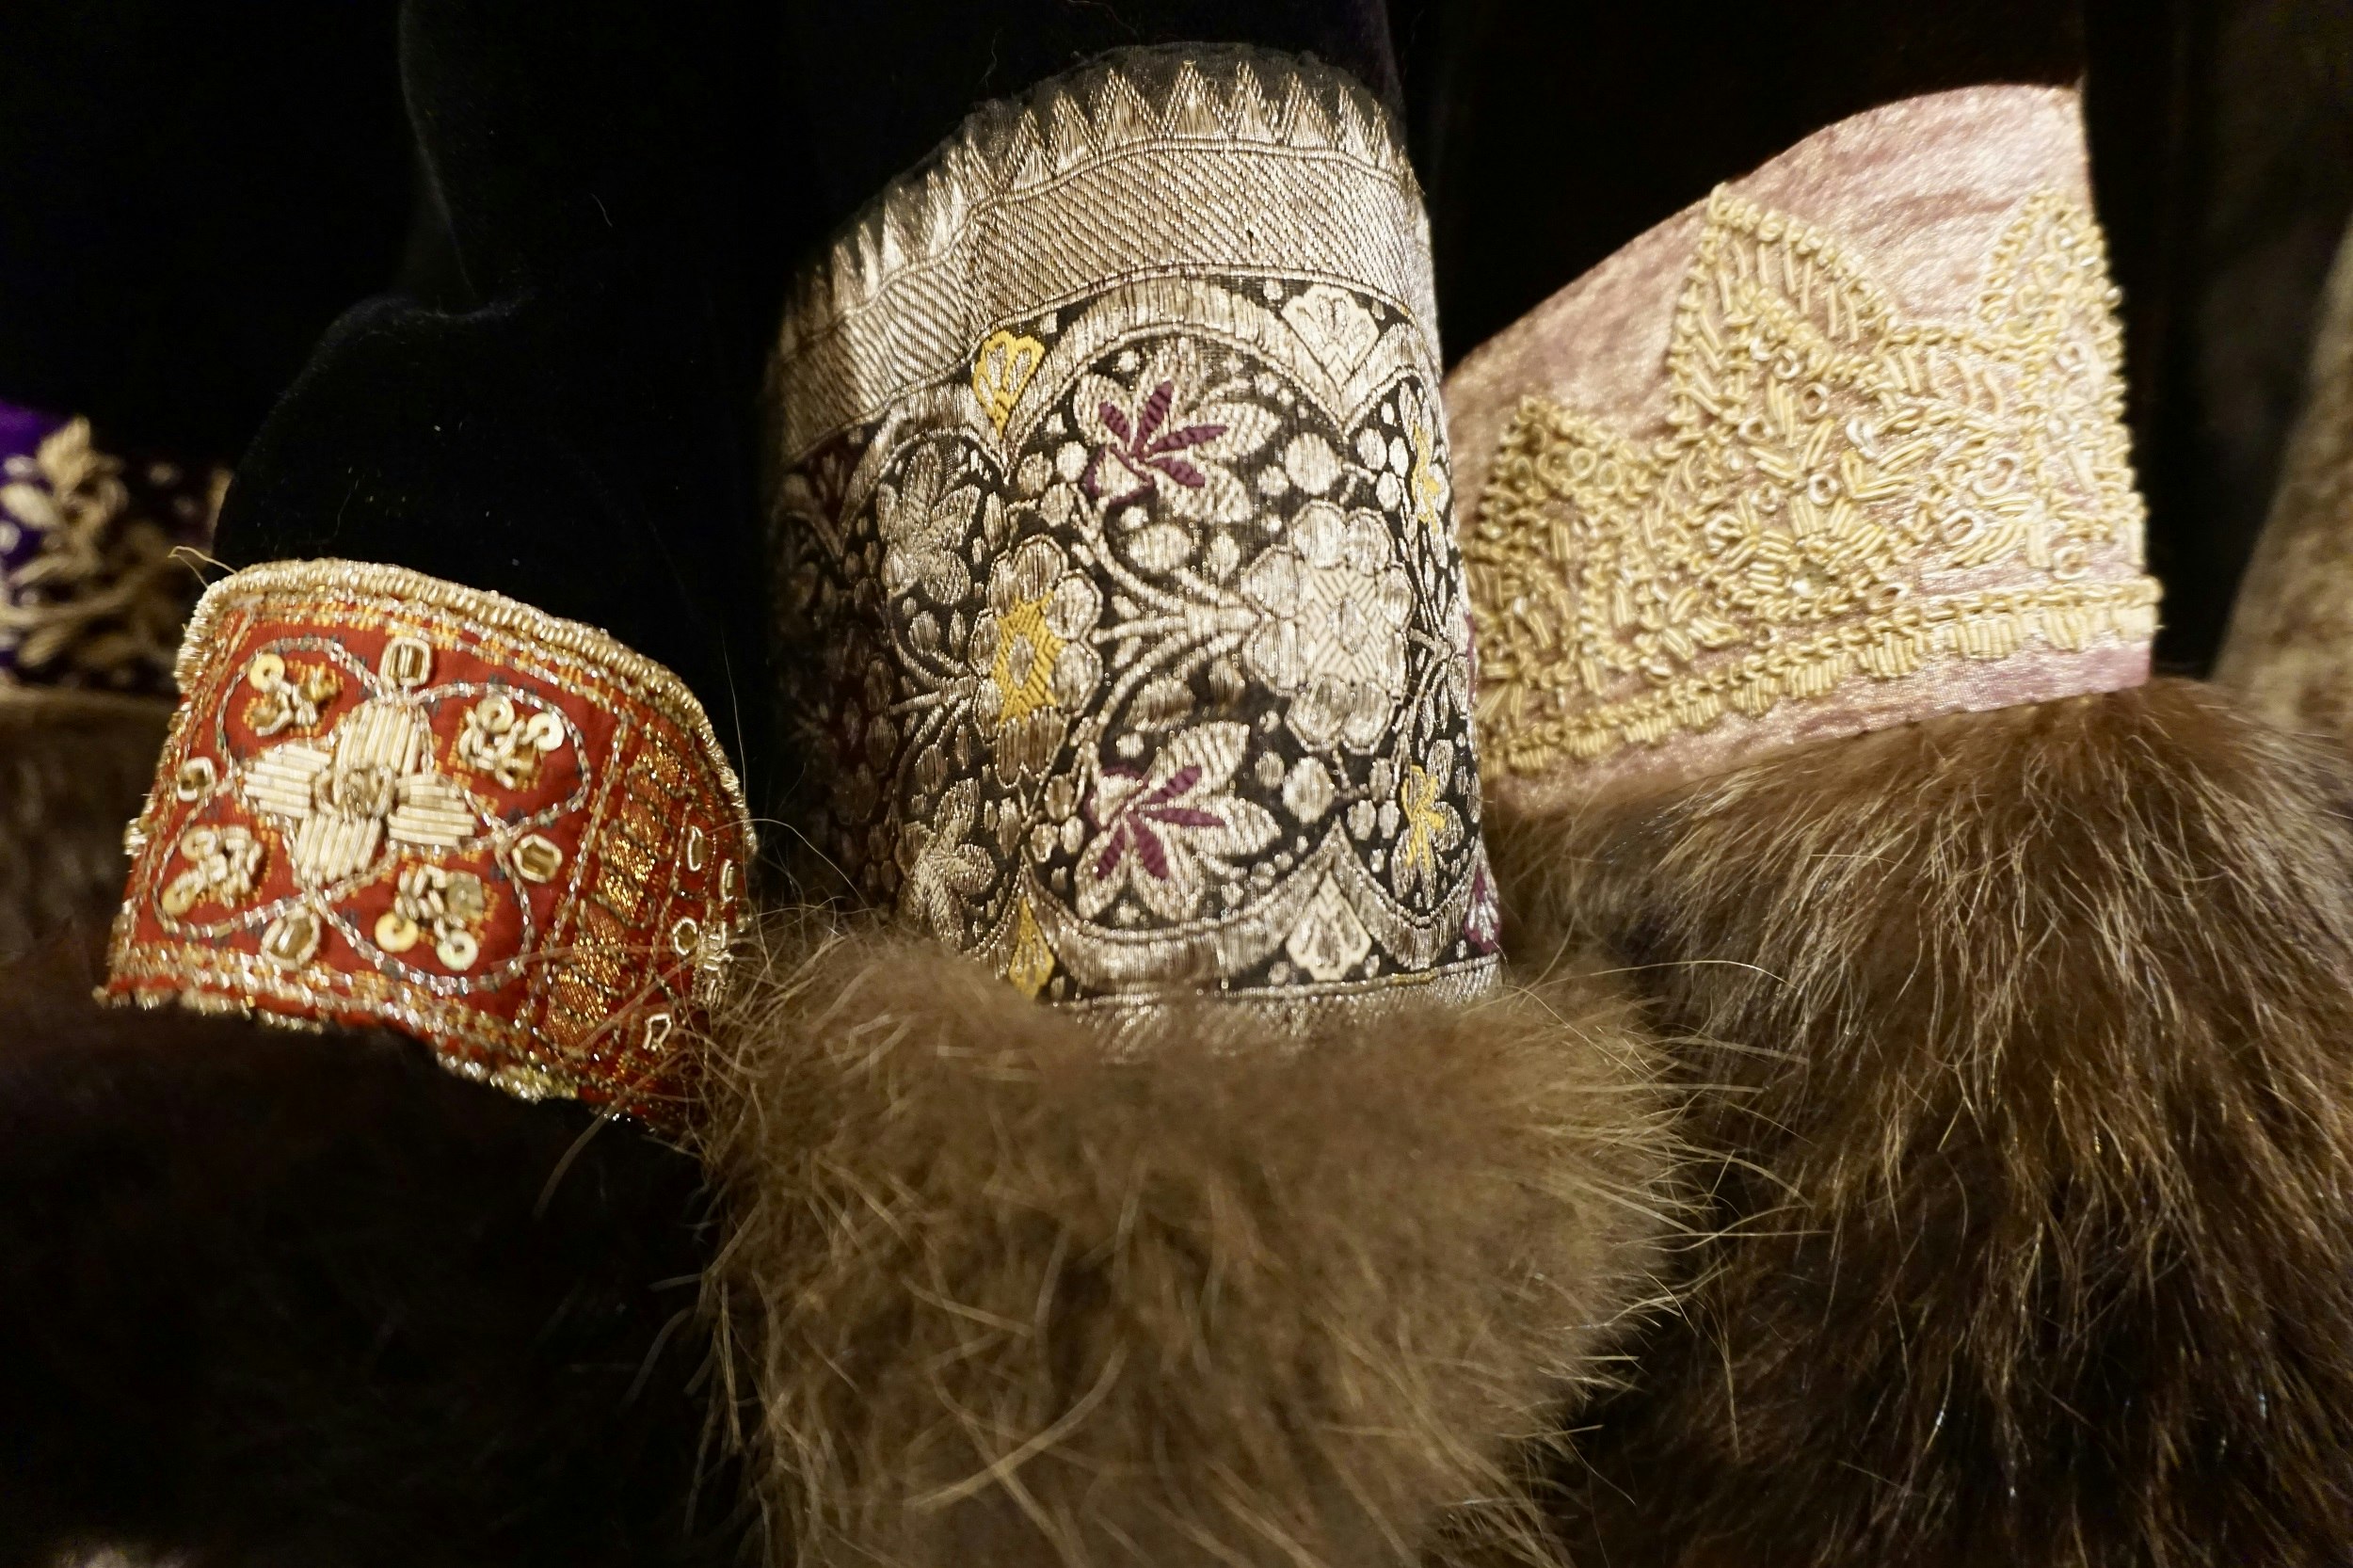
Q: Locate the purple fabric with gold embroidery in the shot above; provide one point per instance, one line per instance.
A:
(91, 599)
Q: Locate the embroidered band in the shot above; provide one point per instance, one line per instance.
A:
(392, 800)
(1854, 516)
(91, 601)
(1115, 531)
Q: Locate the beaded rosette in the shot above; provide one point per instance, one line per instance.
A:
(392, 800)
(91, 599)
(1118, 565)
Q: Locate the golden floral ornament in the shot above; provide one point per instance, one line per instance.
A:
(1845, 497)
(1118, 573)
(91, 593)
(287, 696)
(1430, 826)
(436, 906)
(1001, 371)
(1030, 650)
(487, 836)
(501, 739)
(223, 863)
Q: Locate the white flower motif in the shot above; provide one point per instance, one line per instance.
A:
(1167, 435)
(924, 528)
(940, 870)
(370, 780)
(1166, 832)
(1030, 654)
(1332, 636)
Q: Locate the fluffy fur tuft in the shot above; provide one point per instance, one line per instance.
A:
(1221, 1298)
(272, 1299)
(70, 777)
(2036, 1076)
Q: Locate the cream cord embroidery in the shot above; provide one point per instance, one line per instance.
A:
(1842, 495)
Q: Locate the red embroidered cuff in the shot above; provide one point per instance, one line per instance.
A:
(392, 800)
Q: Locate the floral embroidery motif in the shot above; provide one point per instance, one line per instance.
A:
(1151, 439)
(1333, 636)
(498, 740)
(369, 785)
(1430, 827)
(1163, 834)
(1844, 495)
(1000, 370)
(503, 833)
(290, 695)
(1134, 622)
(1030, 652)
(223, 863)
(440, 905)
(943, 872)
(90, 596)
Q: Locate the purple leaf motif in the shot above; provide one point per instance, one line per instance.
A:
(1132, 825)
(1144, 451)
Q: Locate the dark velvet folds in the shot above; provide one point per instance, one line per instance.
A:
(627, 188)
(301, 1298)
(580, 437)
(188, 194)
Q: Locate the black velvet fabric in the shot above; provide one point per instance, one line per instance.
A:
(188, 194)
(873, 87)
(577, 430)
(2222, 147)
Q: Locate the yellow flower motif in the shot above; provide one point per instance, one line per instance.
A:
(1026, 651)
(1430, 827)
(1029, 649)
(1001, 372)
(1428, 486)
(1032, 962)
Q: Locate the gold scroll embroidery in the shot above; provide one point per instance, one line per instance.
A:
(1842, 495)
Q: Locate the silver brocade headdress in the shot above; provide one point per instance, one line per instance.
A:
(1125, 630)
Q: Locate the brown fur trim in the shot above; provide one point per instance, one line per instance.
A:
(2036, 1079)
(1226, 1298)
(69, 781)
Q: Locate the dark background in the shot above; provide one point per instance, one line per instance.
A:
(190, 192)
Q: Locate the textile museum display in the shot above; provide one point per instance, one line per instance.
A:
(1303, 784)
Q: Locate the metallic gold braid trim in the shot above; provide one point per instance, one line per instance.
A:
(1122, 603)
(1844, 496)
(645, 679)
(392, 800)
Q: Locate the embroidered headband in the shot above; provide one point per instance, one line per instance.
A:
(391, 800)
(1841, 447)
(1116, 545)
(91, 601)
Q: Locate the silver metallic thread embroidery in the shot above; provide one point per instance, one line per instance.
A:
(1114, 527)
